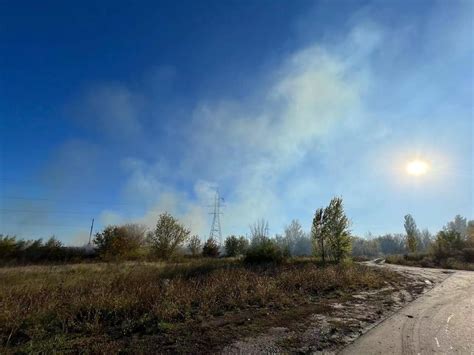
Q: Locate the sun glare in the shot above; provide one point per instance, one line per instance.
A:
(417, 167)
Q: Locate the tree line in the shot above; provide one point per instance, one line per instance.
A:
(329, 239)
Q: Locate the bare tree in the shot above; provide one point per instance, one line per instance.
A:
(259, 229)
(194, 245)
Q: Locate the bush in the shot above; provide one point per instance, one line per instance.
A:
(468, 254)
(264, 250)
(19, 251)
(120, 242)
(235, 246)
(8, 246)
(210, 248)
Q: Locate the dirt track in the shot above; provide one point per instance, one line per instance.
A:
(439, 322)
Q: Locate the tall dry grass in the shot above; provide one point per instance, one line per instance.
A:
(113, 301)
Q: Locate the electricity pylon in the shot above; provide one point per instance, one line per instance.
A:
(216, 232)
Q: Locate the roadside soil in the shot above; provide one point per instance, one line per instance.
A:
(338, 321)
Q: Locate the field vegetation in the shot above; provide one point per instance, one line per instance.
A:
(143, 291)
(194, 306)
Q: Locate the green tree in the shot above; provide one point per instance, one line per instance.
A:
(458, 224)
(330, 231)
(210, 248)
(194, 245)
(339, 239)
(169, 234)
(319, 233)
(470, 234)
(412, 233)
(235, 245)
(447, 243)
(53, 249)
(8, 246)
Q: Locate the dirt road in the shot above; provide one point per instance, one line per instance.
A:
(439, 322)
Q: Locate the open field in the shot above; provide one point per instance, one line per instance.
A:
(198, 306)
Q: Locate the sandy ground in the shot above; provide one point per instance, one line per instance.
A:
(345, 321)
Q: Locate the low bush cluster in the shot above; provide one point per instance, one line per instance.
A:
(264, 250)
(457, 262)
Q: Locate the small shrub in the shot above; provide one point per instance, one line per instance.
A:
(210, 248)
(468, 254)
(235, 246)
(264, 250)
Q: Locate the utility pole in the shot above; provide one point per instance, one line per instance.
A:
(216, 232)
(90, 233)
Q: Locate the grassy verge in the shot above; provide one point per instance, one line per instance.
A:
(427, 260)
(198, 306)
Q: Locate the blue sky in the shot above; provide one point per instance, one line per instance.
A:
(120, 111)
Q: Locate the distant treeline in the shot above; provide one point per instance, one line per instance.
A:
(455, 240)
(19, 251)
(328, 239)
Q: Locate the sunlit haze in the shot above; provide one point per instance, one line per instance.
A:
(122, 111)
(417, 167)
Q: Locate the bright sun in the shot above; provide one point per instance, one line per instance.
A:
(417, 167)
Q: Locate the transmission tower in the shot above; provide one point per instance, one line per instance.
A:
(216, 232)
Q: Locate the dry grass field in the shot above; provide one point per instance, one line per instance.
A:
(199, 305)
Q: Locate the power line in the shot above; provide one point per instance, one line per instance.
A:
(35, 225)
(43, 212)
(63, 200)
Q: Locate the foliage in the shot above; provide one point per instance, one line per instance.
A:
(459, 224)
(8, 246)
(424, 240)
(119, 242)
(210, 248)
(447, 243)
(412, 233)
(339, 238)
(451, 248)
(235, 246)
(392, 244)
(264, 250)
(169, 234)
(365, 247)
(319, 233)
(470, 234)
(194, 245)
(330, 231)
(429, 260)
(294, 240)
(19, 251)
